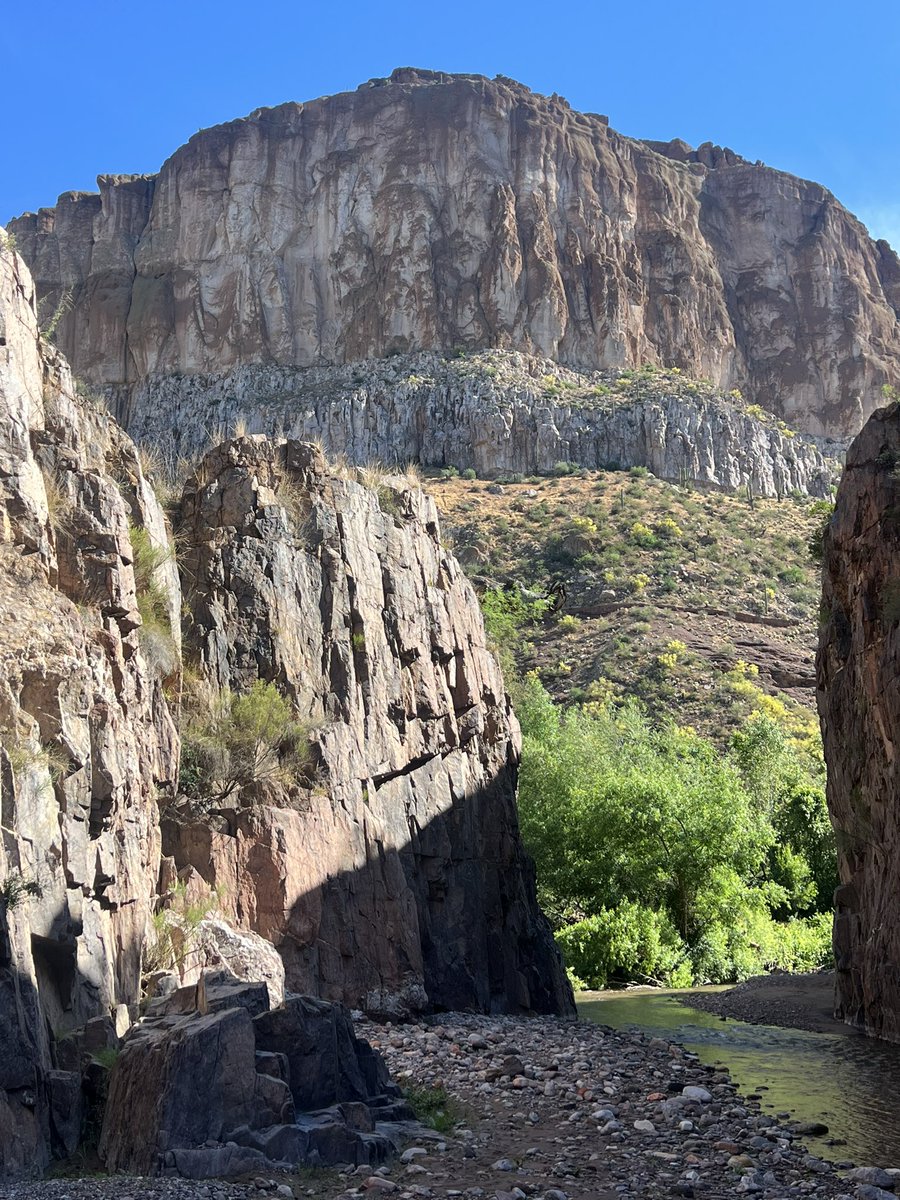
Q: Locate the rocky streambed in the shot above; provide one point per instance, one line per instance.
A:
(547, 1108)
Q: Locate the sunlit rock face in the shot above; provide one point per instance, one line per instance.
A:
(498, 412)
(396, 880)
(86, 737)
(432, 212)
(859, 702)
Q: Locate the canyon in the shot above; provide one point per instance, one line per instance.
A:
(392, 876)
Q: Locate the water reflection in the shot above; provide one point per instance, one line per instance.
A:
(851, 1084)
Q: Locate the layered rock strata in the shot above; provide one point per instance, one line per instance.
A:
(497, 413)
(431, 211)
(86, 736)
(859, 704)
(397, 879)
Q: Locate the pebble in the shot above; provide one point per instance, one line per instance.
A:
(558, 1110)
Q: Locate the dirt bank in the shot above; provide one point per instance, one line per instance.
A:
(791, 1001)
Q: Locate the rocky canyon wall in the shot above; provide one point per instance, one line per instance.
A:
(498, 413)
(431, 211)
(393, 878)
(396, 880)
(86, 735)
(859, 704)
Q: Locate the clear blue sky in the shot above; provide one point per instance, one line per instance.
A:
(812, 88)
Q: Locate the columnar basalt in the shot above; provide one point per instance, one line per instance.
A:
(497, 412)
(858, 675)
(431, 212)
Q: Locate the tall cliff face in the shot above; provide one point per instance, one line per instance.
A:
(86, 739)
(432, 211)
(859, 703)
(397, 880)
(498, 412)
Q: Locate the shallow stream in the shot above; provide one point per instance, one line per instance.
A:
(849, 1083)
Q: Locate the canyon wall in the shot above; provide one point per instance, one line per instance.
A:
(431, 212)
(859, 704)
(498, 413)
(86, 735)
(396, 879)
(393, 879)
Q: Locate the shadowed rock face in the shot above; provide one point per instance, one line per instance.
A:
(399, 881)
(859, 703)
(432, 211)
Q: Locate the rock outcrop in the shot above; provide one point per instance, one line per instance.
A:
(431, 211)
(859, 704)
(498, 413)
(86, 737)
(396, 880)
(214, 1082)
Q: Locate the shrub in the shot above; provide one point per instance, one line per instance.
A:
(15, 889)
(469, 473)
(157, 643)
(629, 941)
(237, 740)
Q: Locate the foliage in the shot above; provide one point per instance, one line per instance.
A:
(507, 614)
(655, 849)
(157, 643)
(15, 889)
(434, 1107)
(231, 740)
(629, 940)
(174, 929)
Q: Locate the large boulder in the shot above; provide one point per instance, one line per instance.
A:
(210, 1070)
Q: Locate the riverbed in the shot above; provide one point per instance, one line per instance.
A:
(849, 1083)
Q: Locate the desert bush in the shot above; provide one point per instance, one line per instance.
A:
(231, 740)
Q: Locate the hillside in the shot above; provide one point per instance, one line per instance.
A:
(668, 588)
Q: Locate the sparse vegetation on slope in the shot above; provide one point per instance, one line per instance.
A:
(667, 589)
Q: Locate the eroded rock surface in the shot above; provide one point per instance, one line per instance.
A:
(432, 211)
(859, 703)
(86, 738)
(214, 1083)
(497, 412)
(397, 879)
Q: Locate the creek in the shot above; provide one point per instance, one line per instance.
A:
(848, 1082)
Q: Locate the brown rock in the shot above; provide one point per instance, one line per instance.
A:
(470, 212)
(397, 877)
(858, 671)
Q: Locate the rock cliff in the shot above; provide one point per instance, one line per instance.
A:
(86, 736)
(397, 879)
(431, 211)
(393, 878)
(859, 704)
(497, 412)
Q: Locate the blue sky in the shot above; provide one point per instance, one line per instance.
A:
(116, 87)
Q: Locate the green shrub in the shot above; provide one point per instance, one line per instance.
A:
(157, 643)
(629, 941)
(230, 741)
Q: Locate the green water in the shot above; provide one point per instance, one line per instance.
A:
(851, 1084)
